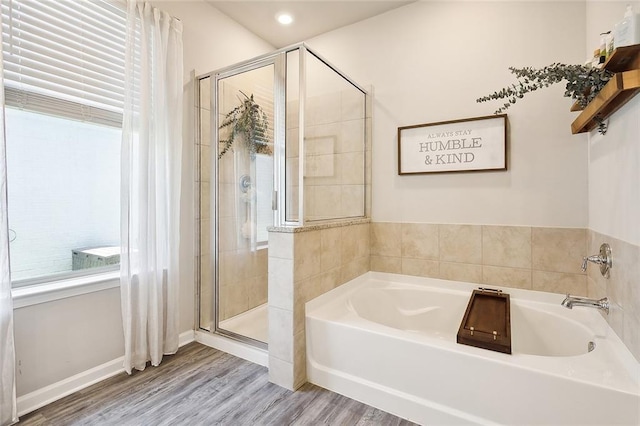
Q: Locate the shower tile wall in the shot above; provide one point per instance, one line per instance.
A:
(622, 288)
(543, 259)
(334, 176)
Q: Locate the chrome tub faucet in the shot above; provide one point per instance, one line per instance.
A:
(571, 301)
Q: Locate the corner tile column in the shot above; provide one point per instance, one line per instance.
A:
(281, 304)
(294, 258)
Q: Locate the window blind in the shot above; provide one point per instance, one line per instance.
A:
(65, 57)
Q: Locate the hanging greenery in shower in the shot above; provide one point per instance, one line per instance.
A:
(249, 121)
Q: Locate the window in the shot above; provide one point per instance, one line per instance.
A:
(64, 90)
(264, 196)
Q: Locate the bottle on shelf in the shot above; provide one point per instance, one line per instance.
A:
(627, 31)
(603, 47)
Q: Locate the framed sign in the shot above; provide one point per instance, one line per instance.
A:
(472, 144)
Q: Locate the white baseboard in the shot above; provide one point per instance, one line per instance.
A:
(234, 347)
(186, 337)
(48, 394)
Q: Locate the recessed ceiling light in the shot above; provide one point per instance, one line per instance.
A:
(284, 18)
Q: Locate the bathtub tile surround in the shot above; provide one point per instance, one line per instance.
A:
(622, 288)
(419, 241)
(460, 272)
(559, 282)
(419, 267)
(558, 249)
(386, 239)
(506, 246)
(461, 244)
(507, 277)
(303, 264)
(392, 264)
(544, 259)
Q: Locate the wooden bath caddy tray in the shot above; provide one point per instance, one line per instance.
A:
(487, 321)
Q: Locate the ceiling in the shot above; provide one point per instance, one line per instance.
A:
(311, 18)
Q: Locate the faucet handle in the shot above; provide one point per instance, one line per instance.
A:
(583, 268)
(603, 259)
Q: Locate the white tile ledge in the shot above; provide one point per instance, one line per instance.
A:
(317, 226)
(55, 290)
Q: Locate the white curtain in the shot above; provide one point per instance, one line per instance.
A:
(8, 409)
(150, 185)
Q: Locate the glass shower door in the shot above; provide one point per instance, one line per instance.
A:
(245, 189)
(237, 115)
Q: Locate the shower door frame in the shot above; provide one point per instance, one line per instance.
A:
(278, 135)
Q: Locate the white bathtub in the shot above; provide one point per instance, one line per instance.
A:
(390, 341)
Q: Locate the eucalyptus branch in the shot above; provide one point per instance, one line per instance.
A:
(582, 84)
(249, 120)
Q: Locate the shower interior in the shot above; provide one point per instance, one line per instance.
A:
(305, 166)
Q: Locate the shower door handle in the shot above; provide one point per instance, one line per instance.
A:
(274, 201)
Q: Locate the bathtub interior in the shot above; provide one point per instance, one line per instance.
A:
(438, 312)
(405, 309)
(543, 333)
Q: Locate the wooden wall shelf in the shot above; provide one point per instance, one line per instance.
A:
(625, 84)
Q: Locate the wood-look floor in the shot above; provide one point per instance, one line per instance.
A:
(203, 386)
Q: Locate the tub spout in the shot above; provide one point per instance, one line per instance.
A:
(571, 301)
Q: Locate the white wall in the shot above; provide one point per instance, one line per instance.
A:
(428, 62)
(614, 158)
(58, 339)
(614, 176)
(62, 338)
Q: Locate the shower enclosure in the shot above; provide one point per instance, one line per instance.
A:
(281, 142)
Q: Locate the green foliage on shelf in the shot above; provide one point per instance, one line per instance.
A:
(582, 84)
(250, 121)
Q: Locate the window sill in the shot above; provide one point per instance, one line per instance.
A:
(55, 290)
